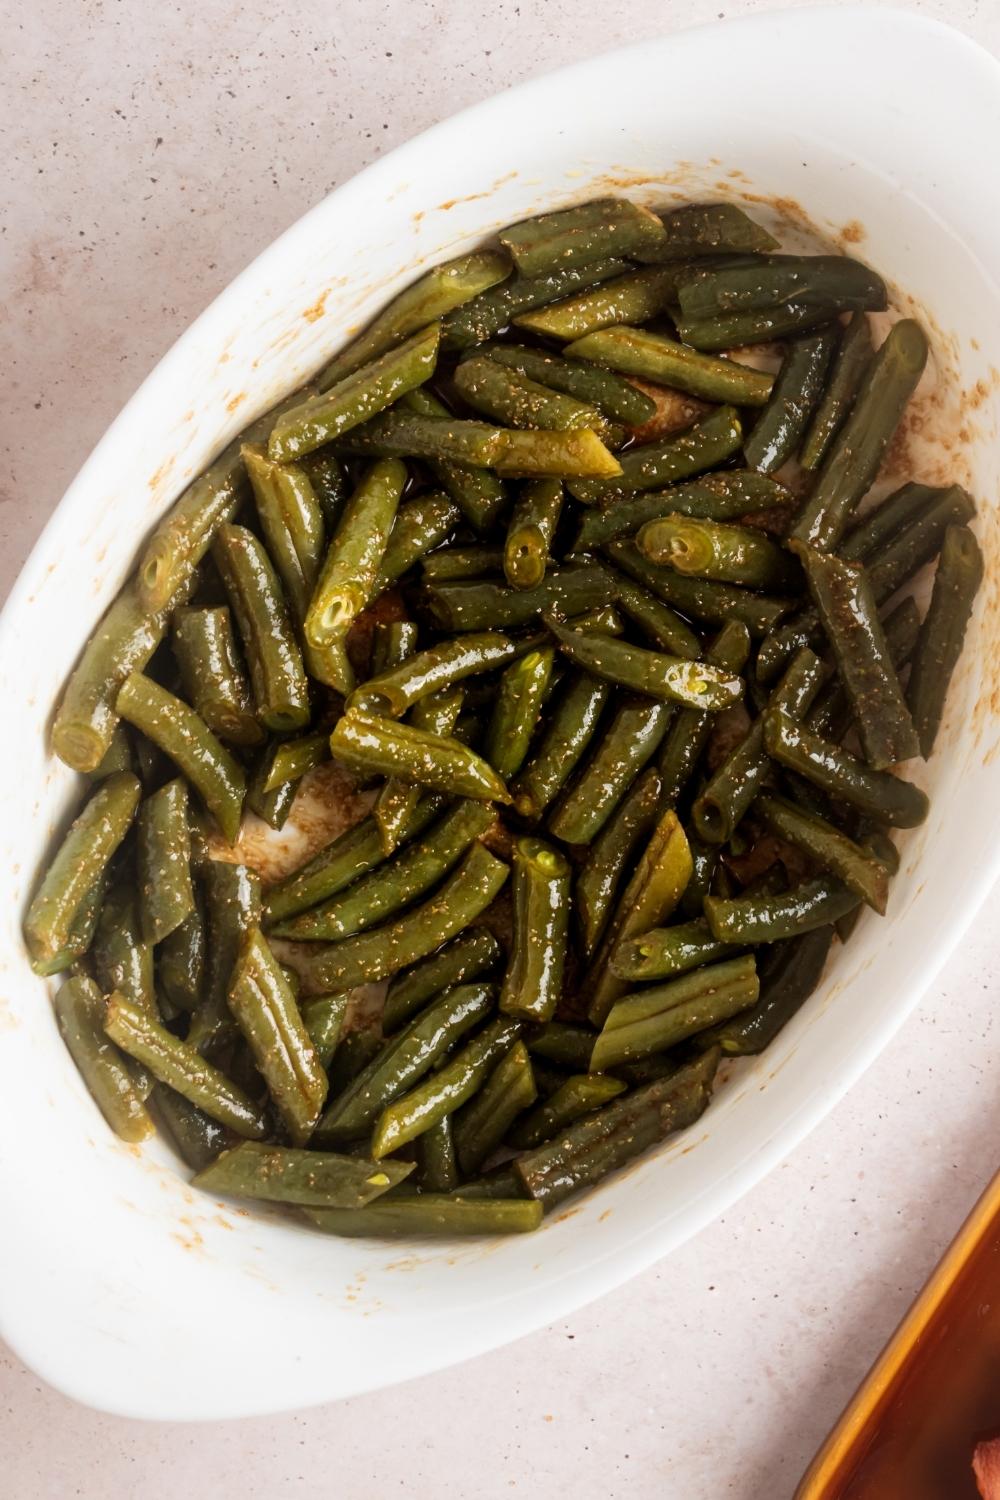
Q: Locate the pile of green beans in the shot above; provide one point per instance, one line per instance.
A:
(628, 699)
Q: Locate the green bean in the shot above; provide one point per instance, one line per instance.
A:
(465, 959)
(614, 1135)
(768, 919)
(119, 756)
(570, 729)
(849, 367)
(368, 742)
(660, 879)
(601, 872)
(396, 805)
(353, 1053)
(387, 889)
(515, 716)
(282, 1174)
(431, 433)
(698, 229)
(577, 236)
(690, 728)
(197, 1138)
(831, 713)
(844, 597)
(734, 330)
(833, 281)
(271, 807)
(464, 562)
(856, 453)
(325, 473)
(359, 396)
(778, 430)
(788, 976)
(541, 883)
(912, 546)
(266, 1012)
(577, 452)
(444, 1091)
(232, 909)
(939, 645)
(379, 954)
(714, 497)
(720, 551)
(610, 393)
(290, 760)
(439, 1171)
(491, 312)
(292, 522)
(477, 492)
(631, 298)
(212, 674)
(841, 775)
(703, 599)
(661, 1016)
(605, 619)
(123, 643)
(79, 864)
(166, 895)
(350, 855)
(181, 960)
(656, 620)
(432, 296)
(436, 1215)
(185, 534)
(348, 576)
(420, 525)
(512, 399)
(482, 1124)
(392, 692)
(664, 952)
(650, 356)
(650, 466)
(577, 1096)
(653, 673)
(478, 604)
(832, 850)
(574, 453)
(178, 1065)
(732, 788)
(323, 1017)
(530, 531)
(280, 688)
(563, 1044)
(182, 735)
(631, 739)
(79, 1007)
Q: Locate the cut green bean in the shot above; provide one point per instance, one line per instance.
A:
(198, 1138)
(570, 728)
(232, 910)
(541, 885)
(329, 481)
(608, 857)
(477, 492)
(421, 524)
(515, 717)
(631, 298)
(480, 604)
(212, 675)
(491, 312)
(631, 739)
(746, 920)
(181, 960)
(292, 522)
(481, 1125)
(444, 1091)
(475, 561)
(465, 959)
(347, 579)
(778, 430)
(788, 976)
(386, 890)
(651, 356)
(699, 229)
(657, 621)
(432, 296)
(166, 894)
(844, 597)
(832, 281)
(721, 551)
(512, 399)
(664, 952)
(432, 1215)
(368, 742)
(396, 805)
(650, 466)
(661, 1016)
(379, 954)
(79, 864)
(439, 1171)
(79, 1007)
(178, 1065)
(849, 367)
(280, 688)
(266, 1012)
(734, 330)
(353, 400)
(713, 497)
(703, 599)
(610, 393)
(530, 532)
(690, 728)
(855, 454)
(841, 775)
(283, 1174)
(578, 1096)
(653, 673)
(830, 849)
(392, 692)
(323, 1017)
(580, 235)
(939, 645)
(353, 1053)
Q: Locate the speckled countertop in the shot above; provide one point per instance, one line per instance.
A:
(150, 152)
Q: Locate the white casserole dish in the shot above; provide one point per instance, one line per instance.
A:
(120, 1285)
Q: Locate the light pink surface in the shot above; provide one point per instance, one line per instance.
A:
(151, 152)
